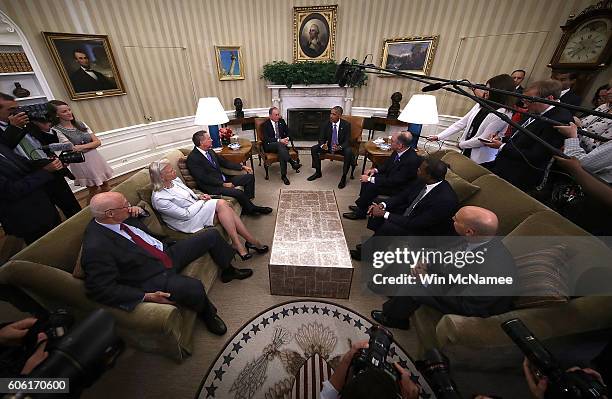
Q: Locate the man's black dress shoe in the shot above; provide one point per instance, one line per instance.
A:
(354, 208)
(264, 210)
(355, 254)
(353, 215)
(296, 166)
(342, 183)
(382, 319)
(285, 180)
(314, 177)
(231, 273)
(214, 324)
(262, 250)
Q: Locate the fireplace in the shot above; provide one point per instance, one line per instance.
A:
(305, 123)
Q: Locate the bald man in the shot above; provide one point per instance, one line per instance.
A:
(478, 227)
(125, 265)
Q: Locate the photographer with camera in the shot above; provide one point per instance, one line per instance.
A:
(14, 359)
(357, 376)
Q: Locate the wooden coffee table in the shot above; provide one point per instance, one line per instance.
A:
(309, 252)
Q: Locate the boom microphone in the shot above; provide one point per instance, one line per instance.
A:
(438, 86)
(342, 72)
(57, 147)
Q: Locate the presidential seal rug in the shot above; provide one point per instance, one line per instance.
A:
(289, 350)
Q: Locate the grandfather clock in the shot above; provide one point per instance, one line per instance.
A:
(586, 44)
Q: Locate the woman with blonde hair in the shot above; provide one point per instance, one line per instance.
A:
(185, 211)
(94, 173)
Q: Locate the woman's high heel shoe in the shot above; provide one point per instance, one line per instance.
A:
(246, 256)
(261, 250)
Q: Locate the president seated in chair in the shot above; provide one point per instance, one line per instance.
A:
(205, 167)
(424, 209)
(125, 265)
(477, 227)
(276, 139)
(335, 138)
(395, 175)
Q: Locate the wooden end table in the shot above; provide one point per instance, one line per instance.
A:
(241, 155)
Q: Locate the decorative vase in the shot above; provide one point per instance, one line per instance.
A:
(20, 91)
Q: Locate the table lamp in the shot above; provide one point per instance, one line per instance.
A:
(421, 110)
(210, 113)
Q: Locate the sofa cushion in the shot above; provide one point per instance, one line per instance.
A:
(463, 166)
(510, 204)
(543, 277)
(152, 221)
(187, 178)
(463, 188)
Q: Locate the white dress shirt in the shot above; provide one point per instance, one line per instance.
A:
(147, 238)
(90, 73)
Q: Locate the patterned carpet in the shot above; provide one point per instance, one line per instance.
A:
(288, 350)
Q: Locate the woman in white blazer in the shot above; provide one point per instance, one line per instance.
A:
(479, 123)
(185, 211)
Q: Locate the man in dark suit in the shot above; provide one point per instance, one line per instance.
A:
(85, 79)
(567, 80)
(478, 227)
(125, 265)
(393, 176)
(518, 75)
(424, 209)
(276, 139)
(335, 138)
(522, 161)
(26, 210)
(205, 166)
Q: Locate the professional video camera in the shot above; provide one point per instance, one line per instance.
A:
(375, 355)
(54, 324)
(561, 384)
(81, 355)
(435, 369)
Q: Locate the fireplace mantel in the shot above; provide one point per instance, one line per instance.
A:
(311, 96)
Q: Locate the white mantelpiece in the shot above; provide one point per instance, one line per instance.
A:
(312, 96)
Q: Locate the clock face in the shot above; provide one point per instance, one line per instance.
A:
(587, 42)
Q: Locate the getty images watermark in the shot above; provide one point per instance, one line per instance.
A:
(500, 266)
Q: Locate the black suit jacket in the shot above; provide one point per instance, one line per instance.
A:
(344, 134)
(510, 163)
(11, 136)
(432, 216)
(269, 135)
(571, 98)
(24, 205)
(397, 175)
(116, 269)
(208, 176)
(479, 300)
(83, 82)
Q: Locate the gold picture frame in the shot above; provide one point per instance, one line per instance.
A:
(229, 63)
(409, 54)
(314, 33)
(86, 64)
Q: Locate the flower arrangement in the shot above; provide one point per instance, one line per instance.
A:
(225, 133)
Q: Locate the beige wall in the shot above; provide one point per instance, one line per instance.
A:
(478, 39)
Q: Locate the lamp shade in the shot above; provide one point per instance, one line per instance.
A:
(210, 112)
(421, 109)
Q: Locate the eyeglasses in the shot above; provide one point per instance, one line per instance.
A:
(116, 209)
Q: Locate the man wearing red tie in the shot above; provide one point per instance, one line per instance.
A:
(276, 139)
(334, 138)
(126, 265)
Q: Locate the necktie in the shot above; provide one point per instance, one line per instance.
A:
(397, 158)
(277, 131)
(150, 249)
(214, 164)
(409, 210)
(334, 135)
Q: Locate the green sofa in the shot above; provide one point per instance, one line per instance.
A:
(44, 270)
(480, 342)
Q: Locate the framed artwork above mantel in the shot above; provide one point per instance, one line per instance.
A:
(314, 33)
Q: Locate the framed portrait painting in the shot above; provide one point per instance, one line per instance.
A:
(86, 64)
(229, 63)
(409, 54)
(314, 33)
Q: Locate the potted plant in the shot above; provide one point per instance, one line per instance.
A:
(305, 72)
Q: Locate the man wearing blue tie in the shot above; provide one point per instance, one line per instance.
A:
(206, 168)
(334, 138)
